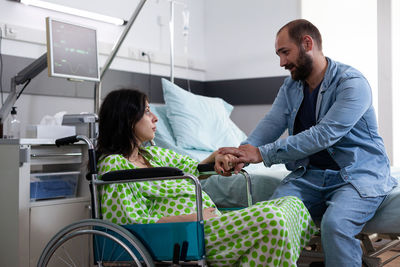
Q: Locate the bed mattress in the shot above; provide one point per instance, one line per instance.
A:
(387, 217)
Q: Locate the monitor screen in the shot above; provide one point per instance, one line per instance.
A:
(71, 51)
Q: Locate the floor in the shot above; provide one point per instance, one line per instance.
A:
(387, 255)
(316, 262)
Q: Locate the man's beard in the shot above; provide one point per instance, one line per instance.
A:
(303, 66)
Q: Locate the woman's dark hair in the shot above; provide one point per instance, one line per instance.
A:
(300, 27)
(119, 113)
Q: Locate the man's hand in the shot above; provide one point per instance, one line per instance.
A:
(244, 154)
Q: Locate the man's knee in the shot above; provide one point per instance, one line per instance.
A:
(284, 190)
(336, 224)
(330, 225)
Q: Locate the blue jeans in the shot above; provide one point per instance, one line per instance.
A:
(341, 210)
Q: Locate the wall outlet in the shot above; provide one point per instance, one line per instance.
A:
(10, 32)
(143, 55)
(2, 26)
(132, 53)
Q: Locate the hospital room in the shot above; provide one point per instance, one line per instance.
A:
(225, 93)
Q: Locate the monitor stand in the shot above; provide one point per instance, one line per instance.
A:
(29, 72)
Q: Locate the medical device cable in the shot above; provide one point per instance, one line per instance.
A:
(144, 54)
(23, 88)
(1, 68)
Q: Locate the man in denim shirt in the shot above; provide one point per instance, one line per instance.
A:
(338, 161)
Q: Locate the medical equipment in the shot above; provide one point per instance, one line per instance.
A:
(71, 53)
(85, 124)
(172, 32)
(185, 32)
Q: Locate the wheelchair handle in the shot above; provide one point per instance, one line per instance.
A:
(91, 151)
(66, 140)
(74, 139)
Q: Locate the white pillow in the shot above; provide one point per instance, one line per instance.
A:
(200, 122)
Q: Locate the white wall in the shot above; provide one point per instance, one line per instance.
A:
(247, 117)
(385, 75)
(395, 86)
(367, 37)
(240, 37)
(349, 33)
(239, 43)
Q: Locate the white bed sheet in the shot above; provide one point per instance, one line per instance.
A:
(387, 217)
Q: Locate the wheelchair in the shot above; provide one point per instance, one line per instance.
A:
(97, 242)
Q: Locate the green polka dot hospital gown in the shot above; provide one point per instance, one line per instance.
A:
(269, 233)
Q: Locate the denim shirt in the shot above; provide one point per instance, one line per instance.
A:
(346, 127)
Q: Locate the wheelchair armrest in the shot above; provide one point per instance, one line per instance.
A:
(66, 140)
(141, 173)
(208, 167)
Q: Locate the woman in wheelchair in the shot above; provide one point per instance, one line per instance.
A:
(269, 233)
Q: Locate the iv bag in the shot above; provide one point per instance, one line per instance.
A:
(185, 15)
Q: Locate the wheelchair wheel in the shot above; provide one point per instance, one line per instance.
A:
(94, 242)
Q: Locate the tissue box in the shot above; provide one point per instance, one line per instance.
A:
(49, 131)
(53, 185)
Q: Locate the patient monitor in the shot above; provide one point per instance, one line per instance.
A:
(71, 53)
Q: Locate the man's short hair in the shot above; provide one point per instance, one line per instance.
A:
(300, 27)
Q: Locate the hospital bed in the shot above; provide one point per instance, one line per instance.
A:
(229, 192)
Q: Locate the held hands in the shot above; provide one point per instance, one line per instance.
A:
(224, 164)
(243, 154)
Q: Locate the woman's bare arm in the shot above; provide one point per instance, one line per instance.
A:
(207, 214)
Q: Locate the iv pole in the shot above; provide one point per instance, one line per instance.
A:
(171, 35)
(97, 86)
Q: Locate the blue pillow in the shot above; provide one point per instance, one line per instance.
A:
(200, 122)
(164, 134)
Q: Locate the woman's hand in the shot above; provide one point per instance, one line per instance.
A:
(208, 213)
(243, 154)
(224, 164)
